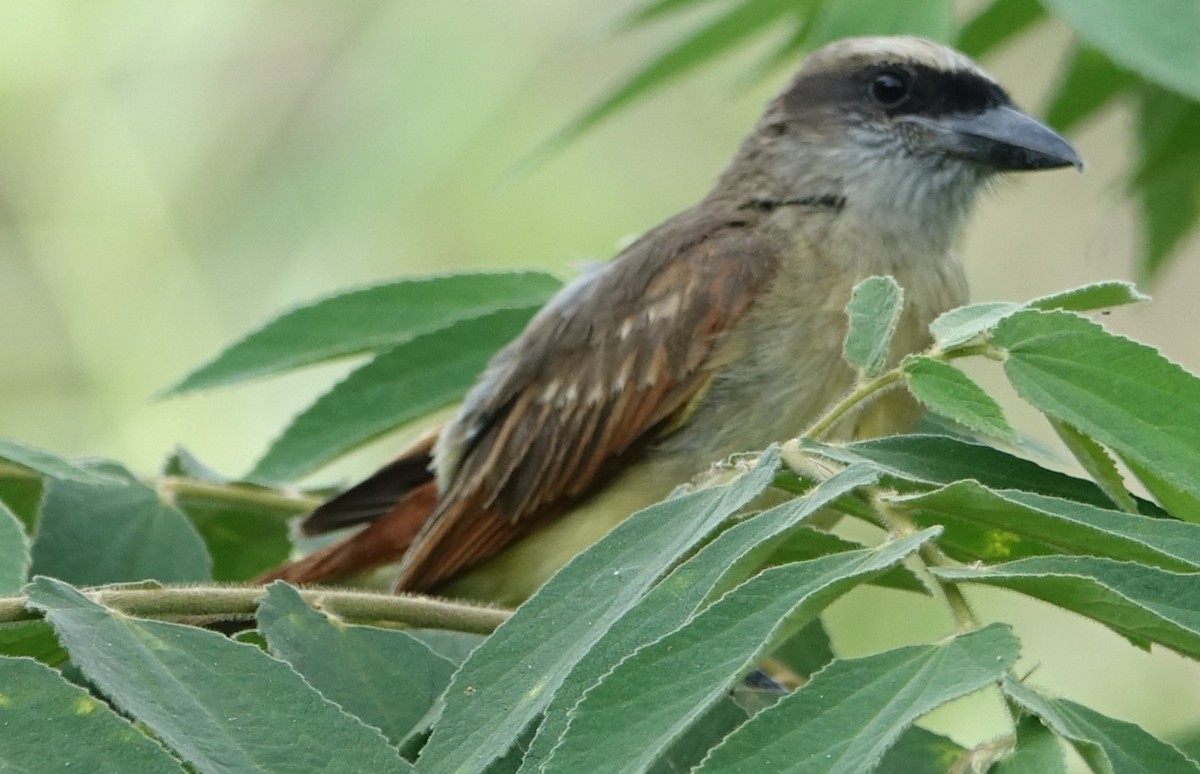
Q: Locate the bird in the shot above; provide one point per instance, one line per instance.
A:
(716, 332)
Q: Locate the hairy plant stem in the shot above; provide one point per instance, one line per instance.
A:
(208, 604)
(862, 392)
(932, 556)
(286, 501)
(887, 513)
(950, 592)
(870, 388)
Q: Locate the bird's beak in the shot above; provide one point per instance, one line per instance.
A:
(1002, 138)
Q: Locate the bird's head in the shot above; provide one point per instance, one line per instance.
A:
(892, 126)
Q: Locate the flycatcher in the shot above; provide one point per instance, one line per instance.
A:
(718, 331)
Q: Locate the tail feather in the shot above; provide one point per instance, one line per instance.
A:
(378, 495)
(384, 541)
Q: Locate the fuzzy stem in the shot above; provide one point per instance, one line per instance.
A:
(858, 395)
(871, 387)
(285, 500)
(206, 603)
(932, 556)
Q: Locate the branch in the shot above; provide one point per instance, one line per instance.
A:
(860, 394)
(931, 556)
(287, 500)
(871, 388)
(192, 604)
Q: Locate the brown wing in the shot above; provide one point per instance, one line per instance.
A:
(597, 374)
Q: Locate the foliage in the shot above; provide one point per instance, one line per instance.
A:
(633, 657)
(1145, 56)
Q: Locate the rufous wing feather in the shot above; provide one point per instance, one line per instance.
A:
(394, 501)
(601, 372)
(383, 541)
(589, 386)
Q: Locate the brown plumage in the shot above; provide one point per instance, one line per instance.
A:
(585, 388)
(716, 332)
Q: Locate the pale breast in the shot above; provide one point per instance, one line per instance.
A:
(784, 359)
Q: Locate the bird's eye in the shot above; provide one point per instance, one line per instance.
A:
(890, 88)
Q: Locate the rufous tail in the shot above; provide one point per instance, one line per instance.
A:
(383, 541)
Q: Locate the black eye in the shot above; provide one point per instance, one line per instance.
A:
(890, 88)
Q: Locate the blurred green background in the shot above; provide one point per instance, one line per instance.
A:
(174, 174)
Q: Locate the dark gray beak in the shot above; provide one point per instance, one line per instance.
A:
(1002, 138)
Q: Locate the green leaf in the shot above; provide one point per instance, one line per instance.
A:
(687, 751)
(23, 496)
(1145, 604)
(1167, 181)
(846, 717)
(1157, 39)
(807, 651)
(1089, 82)
(846, 18)
(1123, 394)
(189, 686)
(935, 460)
(666, 686)
(874, 310)
(14, 553)
(996, 24)
(729, 559)
(244, 525)
(405, 383)
(945, 390)
(804, 543)
(91, 534)
(656, 10)
(963, 325)
(34, 639)
(959, 326)
(367, 319)
(1037, 751)
(51, 725)
(1170, 208)
(788, 51)
(1108, 745)
(510, 678)
(1095, 461)
(243, 541)
(982, 524)
(1086, 298)
(745, 19)
(452, 646)
(53, 466)
(386, 678)
(1167, 134)
(1188, 741)
(1178, 503)
(181, 462)
(920, 751)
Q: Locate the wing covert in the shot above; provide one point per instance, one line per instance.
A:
(597, 375)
